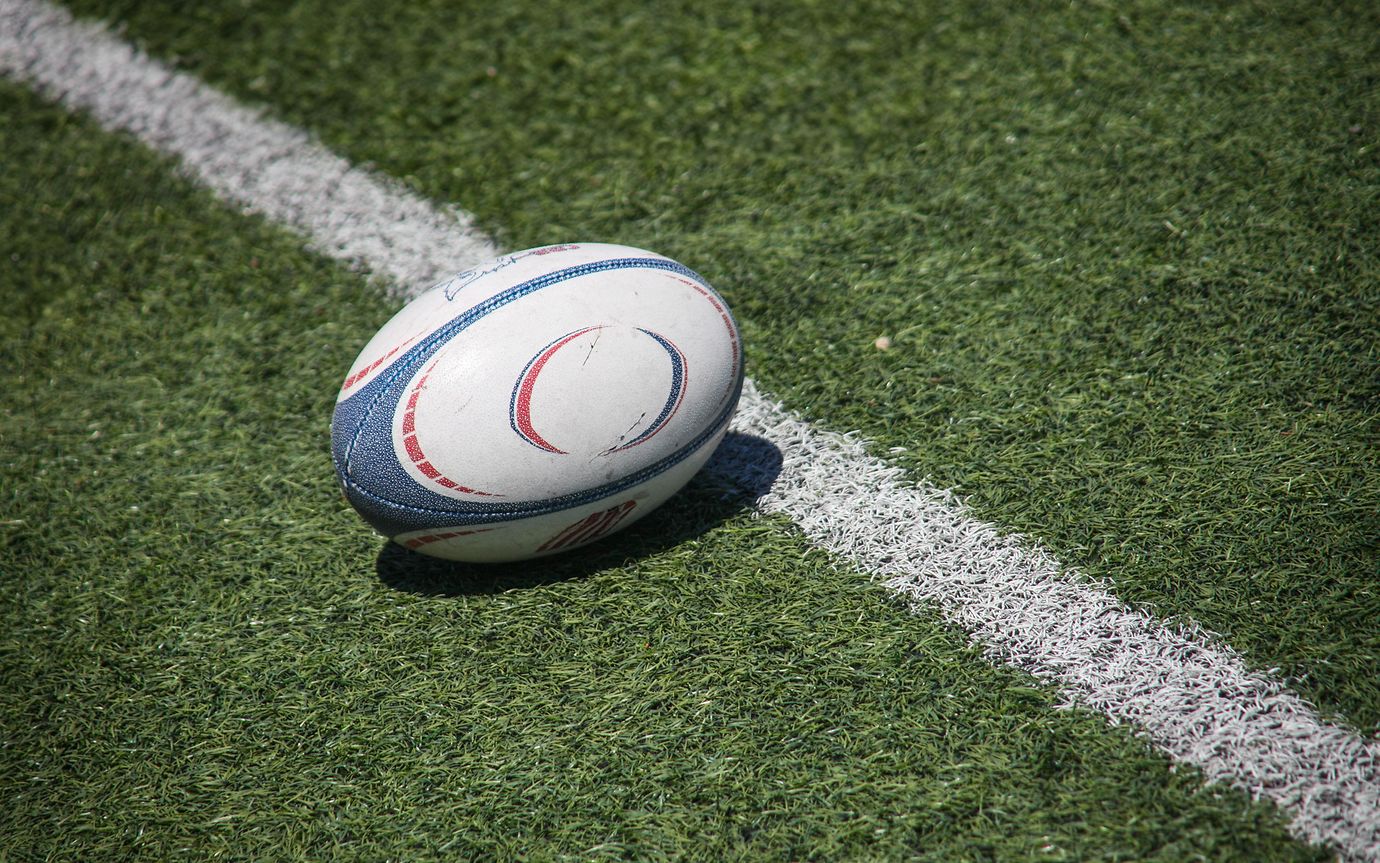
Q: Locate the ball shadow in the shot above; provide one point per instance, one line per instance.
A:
(741, 471)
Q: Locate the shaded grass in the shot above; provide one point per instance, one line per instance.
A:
(1122, 252)
(203, 653)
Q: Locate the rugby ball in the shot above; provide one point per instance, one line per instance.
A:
(537, 402)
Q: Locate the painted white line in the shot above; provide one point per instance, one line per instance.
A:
(267, 167)
(1188, 693)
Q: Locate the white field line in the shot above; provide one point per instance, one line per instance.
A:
(1191, 695)
(266, 166)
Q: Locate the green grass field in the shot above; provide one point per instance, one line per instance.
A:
(1125, 256)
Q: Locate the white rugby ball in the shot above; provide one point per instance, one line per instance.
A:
(537, 402)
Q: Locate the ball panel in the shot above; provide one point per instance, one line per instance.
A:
(563, 530)
(413, 323)
(405, 506)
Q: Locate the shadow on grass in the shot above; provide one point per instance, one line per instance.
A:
(741, 470)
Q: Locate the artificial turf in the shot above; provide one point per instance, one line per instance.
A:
(205, 654)
(1124, 253)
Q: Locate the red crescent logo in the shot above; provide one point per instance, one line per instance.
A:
(520, 404)
(520, 410)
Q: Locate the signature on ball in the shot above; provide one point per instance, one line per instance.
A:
(463, 279)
